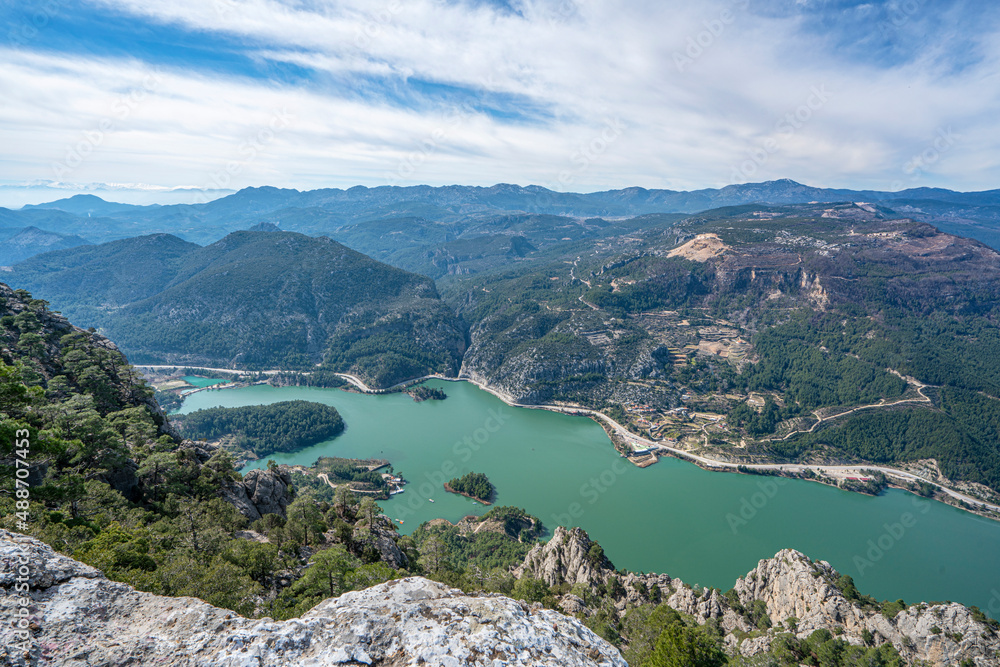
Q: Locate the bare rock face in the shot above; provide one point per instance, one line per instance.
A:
(792, 585)
(564, 559)
(261, 492)
(80, 618)
(567, 558)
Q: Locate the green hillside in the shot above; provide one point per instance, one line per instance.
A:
(774, 319)
(253, 300)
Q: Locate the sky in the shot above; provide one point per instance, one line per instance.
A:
(164, 96)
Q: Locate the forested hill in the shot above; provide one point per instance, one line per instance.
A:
(768, 322)
(253, 299)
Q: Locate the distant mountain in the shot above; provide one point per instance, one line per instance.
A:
(86, 283)
(85, 205)
(325, 211)
(252, 300)
(20, 244)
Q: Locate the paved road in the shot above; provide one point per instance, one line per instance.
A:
(205, 368)
(680, 453)
(785, 467)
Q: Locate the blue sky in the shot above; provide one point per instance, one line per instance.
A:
(575, 95)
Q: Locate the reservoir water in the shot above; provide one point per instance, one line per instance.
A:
(704, 527)
(197, 381)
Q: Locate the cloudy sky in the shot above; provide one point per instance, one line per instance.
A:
(577, 95)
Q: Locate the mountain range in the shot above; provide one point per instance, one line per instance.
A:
(325, 211)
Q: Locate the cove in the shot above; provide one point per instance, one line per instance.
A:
(704, 527)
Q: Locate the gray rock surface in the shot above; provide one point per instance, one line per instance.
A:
(80, 618)
(261, 492)
(792, 585)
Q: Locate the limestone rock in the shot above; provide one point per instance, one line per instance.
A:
(81, 618)
(261, 492)
(564, 558)
(792, 585)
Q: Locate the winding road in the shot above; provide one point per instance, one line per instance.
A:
(834, 470)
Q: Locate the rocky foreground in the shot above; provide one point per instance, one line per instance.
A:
(78, 617)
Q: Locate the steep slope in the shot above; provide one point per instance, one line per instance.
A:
(254, 299)
(20, 244)
(84, 283)
(774, 324)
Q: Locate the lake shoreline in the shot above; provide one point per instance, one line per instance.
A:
(447, 487)
(563, 471)
(895, 478)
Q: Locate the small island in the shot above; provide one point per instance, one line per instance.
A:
(427, 394)
(474, 485)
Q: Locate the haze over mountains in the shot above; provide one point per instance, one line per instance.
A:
(326, 211)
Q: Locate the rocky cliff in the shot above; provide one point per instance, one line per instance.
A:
(799, 596)
(75, 616)
(260, 492)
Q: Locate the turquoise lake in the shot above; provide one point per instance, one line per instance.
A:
(703, 527)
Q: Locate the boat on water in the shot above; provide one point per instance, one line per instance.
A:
(430, 500)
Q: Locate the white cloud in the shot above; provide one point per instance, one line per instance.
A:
(588, 63)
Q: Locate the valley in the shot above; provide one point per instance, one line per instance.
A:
(749, 335)
(599, 373)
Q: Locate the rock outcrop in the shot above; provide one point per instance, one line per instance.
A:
(793, 586)
(260, 492)
(567, 558)
(800, 596)
(77, 617)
